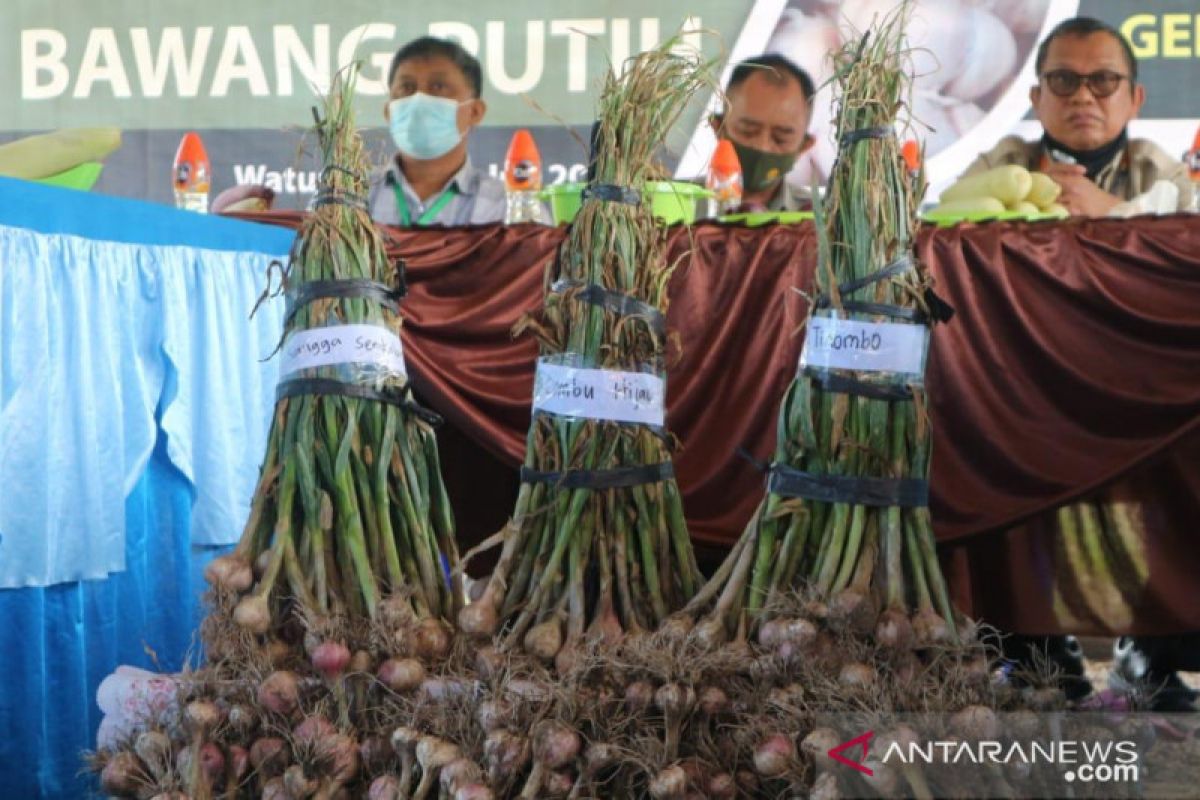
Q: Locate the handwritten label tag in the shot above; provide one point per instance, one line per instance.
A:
(599, 394)
(834, 343)
(343, 344)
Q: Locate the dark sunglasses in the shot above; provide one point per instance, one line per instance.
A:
(1065, 83)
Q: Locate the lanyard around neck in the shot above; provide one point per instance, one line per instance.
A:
(430, 213)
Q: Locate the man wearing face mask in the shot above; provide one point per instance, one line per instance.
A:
(1086, 95)
(435, 102)
(769, 107)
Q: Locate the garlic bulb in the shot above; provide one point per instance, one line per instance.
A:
(962, 52)
(1021, 16)
(958, 46)
(964, 115)
(990, 56)
(940, 121)
(861, 13)
(807, 40)
(936, 36)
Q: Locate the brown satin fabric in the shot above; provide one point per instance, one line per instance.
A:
(1073, 360)
(1010, 579)
(1075, 355)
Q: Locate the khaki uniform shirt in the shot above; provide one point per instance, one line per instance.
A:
(1130, 174)
(789, 199)
(785, 199)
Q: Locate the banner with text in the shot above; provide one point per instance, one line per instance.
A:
(243, 75)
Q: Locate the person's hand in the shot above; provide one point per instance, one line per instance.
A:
(1079, 195)
(246, 197)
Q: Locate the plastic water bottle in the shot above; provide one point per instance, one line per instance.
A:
(910, 151)
(1192, 159)
(192, 174)
(523, 181)
(724, 180)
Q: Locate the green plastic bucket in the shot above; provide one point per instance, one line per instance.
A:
(672, 202)
(77, 177)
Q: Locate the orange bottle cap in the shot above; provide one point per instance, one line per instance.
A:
(725, 160)
(523, 163)
(911, 151)
(1192, 158)
(192, 167)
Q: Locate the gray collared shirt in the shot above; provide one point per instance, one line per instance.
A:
(478, 199)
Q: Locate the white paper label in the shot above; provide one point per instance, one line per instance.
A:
(599, 394)
(866, 346)
(343, 344)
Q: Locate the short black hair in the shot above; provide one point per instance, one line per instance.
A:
(775, 64)
(430, 46)
(1086, 26)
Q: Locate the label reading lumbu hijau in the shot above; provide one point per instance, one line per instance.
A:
(603, 394)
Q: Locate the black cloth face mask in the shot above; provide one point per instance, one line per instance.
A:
(1091, 160)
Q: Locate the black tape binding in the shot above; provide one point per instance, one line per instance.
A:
(883, 492)
(617, 302)
(747, 456)
(602, 478)
(328, 386)
(898, 266)
(612, 193)
(329, 197)
(851, 137)
(309, 291)
(837, 382)
(939, 309)
(901, 264)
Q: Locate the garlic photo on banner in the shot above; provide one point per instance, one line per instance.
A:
(1021, 16)
(966, 56)
(942, 120)
(989, 56)
(808, 39)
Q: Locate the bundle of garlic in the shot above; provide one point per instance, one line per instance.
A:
(337, 597)
(846, 512)
(598, 546)
(350, 519)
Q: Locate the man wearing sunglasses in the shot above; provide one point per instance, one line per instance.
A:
(1087, 92)
(1086, 95)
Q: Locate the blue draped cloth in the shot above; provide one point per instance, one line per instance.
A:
(58, 643)
(134, 409)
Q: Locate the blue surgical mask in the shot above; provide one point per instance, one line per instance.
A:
(424, 127)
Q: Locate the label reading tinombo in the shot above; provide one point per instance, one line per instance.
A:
(343, 344)
(598, 394)
(865, 346)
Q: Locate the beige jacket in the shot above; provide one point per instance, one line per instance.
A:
(1130, 174)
